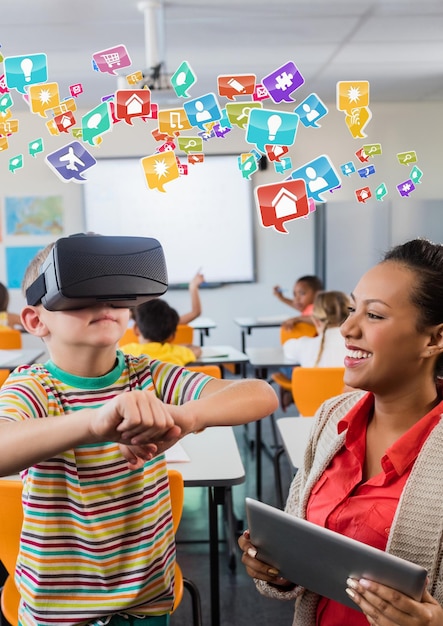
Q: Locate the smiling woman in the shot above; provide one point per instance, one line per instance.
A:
(373, 459)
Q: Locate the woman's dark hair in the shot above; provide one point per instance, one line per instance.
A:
(156, 320)
(425, 259)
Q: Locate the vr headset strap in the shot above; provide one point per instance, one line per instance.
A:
(36, 291)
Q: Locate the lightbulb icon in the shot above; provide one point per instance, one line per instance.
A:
(26, 67)
(274, 123)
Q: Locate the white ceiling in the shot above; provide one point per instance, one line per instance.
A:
(397, 45)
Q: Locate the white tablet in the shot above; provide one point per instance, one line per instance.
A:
(321, 560)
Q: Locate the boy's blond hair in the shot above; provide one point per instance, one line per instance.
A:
(32, 272)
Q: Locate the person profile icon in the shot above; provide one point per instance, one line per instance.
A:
(201, 114)
(311, 114)
(316, 182)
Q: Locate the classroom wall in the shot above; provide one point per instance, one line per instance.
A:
(279, 258)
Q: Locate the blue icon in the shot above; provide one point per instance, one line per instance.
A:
(270, 127)
(366, 171)
(319, 175)
(283, 165)
(347, 168)
(202, 110)
(311, 110)
(70, 162)
(22, 71)
(224, 120)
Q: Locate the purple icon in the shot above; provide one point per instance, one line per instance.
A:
(70, 162)
(282, 82)
(405, 188)
(112, 59)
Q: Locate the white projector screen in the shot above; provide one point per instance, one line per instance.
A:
(203, 220)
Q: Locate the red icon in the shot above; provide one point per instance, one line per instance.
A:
(282, 202)
(363, 194)
(132, 103)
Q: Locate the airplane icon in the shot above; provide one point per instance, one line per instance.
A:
(72, 159)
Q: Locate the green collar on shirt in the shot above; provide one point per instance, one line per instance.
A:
(89, 383)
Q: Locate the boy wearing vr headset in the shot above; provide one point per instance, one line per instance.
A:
(87, 430)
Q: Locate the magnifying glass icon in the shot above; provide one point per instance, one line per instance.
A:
(407, 157)
(191, 144)
(244, 114)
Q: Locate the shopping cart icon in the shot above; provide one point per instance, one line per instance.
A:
(116, 57)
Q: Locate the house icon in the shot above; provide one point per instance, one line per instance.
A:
(284, 203)
(134, 105)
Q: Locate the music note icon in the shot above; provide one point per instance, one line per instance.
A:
(175, 120)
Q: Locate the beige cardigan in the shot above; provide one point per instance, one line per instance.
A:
(417, 529)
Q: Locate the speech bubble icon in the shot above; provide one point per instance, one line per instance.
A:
(268, 127)
(8, 128)
(15, 163)
(364, 172)
(76, 90)
(64, 121)
(6, 102)
(4, 144)
(282, 82)
(283, 165)
(406, 187)
(183, 79)
(363, 194)
(372, 149)
(278, 203)
(311, 110)
(23, 71)
(381, 191)
(190, 144)
(35, 147)
(416, 175)
(109, 60)
(43, 97)
(202, 110)
(70, 162)
(131, 103)
(193, 159)
(405, 158)
(231, 86)
(237, 113)
(247, 164)
(66, 105)
(352, 95)
(95, 123)
(320, 176)
(347, 168)
(160, 169)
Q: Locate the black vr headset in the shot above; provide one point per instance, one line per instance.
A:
(84, 270)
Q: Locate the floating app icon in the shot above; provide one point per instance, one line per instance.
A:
(283, 165)
(364, 172)
(347, 168)
(405, 158)
(311, 110)
(160, 169)
(278, 203)
(23, 71)
(134, 78)
(247, 164)
(362, 156)
(6, 102)
(238, 112)
(168, 145)
(276, 152)
(232, 86)
(52, 128)
(352, 95)
(43, 98)
(15, 163)
(131, 103)
(66, 105)
(266, 126)
(173, 121)
(372, 149)
(221, 131)
(96, 123)
(6, 115)
(319, 176)
(260, 93)
(4, 145)
(182, 169)
(183, 79)
(381, 191)
(206, 135)
(3, 86)
(190, 144)
(8, 128)
(202, 110)
(363, 194)
(416, 175)
(70, 162)
(406, 187)
(76, 90)
(112, 59)
(64, 121)
(282, 82)
(356, 120)
(193, 159)
(35, 147)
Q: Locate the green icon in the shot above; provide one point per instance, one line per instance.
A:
(183, 79)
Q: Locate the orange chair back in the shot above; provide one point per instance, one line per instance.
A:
(129, 336)
(299, 330)
(313, 385)
(11, 519)
(3, 376)
(209, 370)
(184, 334)
(10, 339)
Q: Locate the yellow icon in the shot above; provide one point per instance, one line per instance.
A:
(43, 97)
(356, 121)
(52, 128)
(4, 145)
(8, 128)
(5, 115)
(352, 94)
(134, 78)
(65, 105)
(160, 169)
(173, 121)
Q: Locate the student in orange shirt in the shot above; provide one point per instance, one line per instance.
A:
(304, 292)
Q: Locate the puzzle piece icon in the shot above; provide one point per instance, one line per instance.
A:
(283, 81)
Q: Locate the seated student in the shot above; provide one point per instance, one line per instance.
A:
(87, 430)
(11, 320)
(156, 324)
(304, 292)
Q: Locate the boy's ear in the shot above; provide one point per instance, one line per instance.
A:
(32, 323)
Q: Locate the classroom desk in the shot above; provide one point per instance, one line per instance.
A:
(203, 325)
(261, 360)
(221, 355)
(294, 433)
(247, 324)
(10, 359)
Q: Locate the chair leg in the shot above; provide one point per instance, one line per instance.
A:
(196, 601)
(277, 474)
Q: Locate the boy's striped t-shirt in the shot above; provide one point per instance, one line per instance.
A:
(97, 537)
